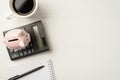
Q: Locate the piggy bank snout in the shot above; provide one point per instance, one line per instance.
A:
(17, 39)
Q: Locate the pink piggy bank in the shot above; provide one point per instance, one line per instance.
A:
(17, 39)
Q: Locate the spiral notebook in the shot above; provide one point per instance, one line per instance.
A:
(45, 73)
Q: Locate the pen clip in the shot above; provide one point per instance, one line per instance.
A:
(14, 78)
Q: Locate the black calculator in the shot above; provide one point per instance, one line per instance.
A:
(37, 44)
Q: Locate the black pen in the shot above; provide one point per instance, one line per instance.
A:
(26, 73)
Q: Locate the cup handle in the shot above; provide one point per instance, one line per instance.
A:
(11, 16)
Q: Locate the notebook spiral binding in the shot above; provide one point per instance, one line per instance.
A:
(50, 70)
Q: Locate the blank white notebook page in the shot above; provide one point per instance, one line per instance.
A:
(43, 74)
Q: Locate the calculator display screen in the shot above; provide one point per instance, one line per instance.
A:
(38, 37)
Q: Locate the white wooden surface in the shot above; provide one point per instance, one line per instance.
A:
(84, 37)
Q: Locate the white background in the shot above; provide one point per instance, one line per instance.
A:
(84, 37)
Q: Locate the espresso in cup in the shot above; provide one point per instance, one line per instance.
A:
(23, 7)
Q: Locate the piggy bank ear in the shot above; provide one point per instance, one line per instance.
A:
(21, 43)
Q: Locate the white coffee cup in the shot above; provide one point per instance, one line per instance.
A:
(16, 14)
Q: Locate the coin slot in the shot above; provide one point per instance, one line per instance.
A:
(12, 40)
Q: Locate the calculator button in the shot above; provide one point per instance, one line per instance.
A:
(14, 55)
(21, 54)
(32, 50)
(11, 50)
(27, 46)
(31, 45)
(15, 50)
(25, 53)
(29, 51)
